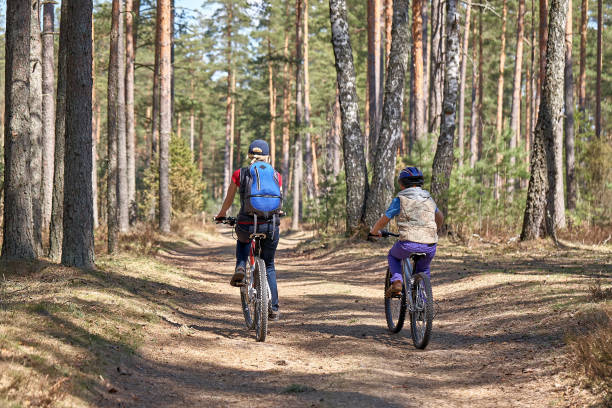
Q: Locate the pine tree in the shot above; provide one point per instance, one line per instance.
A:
(165, 205)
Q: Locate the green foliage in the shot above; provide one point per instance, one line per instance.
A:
(328, 212)
(186, 185)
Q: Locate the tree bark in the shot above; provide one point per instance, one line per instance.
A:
(131, 18)
(374, 74)
(122, 177)
(272, 105)
(382, 186)
(598, 70)
(165, 111)
(388, 29)
(155, 104)
(113, 132)
(354, 157)
(95, 125)
(48, 111)
(309, 163)
(436, 82)
(584, 19)
(499, 124)
(227, 168)
(570, 169)
(417, 58)
(35, 102)
(18, 242)
(443, 159)
(464, 60)
(542, 184)
(299, 116)
(286, 108)
(543, 36)
(78, 241)
(515, 115)
(426, 63)
(475, 97)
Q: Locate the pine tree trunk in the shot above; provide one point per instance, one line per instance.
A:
(481, 81)
(443, 159)
(464, 61)
(354, 157)
(35, 103)
(201, 147)
(388, 29)
(436, 82)
(543, 36)
(48, 111)
(95, 125)
(598, 68)
(155, 104)
(515, 115)
(474, 109)
(417, 51)
(272, 105)
(227, 168)
(374, 74)
(570, 169)
(122, 178)
(383, 174)
(584, 18)
(165, 112)
(78, 241)
(500, 83)
(308, 153)
(131, 18)
(18, 242)
(57, 202)
(286, 109)
(113, 132)
(299, 116)
(542, 184)
(337, 135)
(426, 63)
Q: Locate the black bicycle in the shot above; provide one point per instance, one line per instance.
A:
(254, 291)
(416, 298)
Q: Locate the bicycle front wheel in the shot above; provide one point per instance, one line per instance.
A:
(395, 307)
(261, 300)
(422, 311)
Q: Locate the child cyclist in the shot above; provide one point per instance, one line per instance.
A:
(258, 152)
(418, 220)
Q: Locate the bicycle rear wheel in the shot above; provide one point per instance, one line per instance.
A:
(261, 300)
(421, 315)
(395, 307)
(247, 297)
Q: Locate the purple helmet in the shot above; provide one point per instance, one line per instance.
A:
(411, 176)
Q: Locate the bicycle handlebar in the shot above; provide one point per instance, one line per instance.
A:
(231, 221)
(384, 234)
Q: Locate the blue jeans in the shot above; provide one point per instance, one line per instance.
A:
(402, 250)
(268, 250)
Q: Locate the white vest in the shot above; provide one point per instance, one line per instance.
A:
(417, 219)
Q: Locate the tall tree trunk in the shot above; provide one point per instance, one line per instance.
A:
(543, 36)
(309, 163)
(598, 70)
(299, 116)
(113, 132)
(570, 169)
(155, 104)
(286, 108)
(475, 97)
(95, 124)
(436, 82)
(386, 150)
(515, 115)
(584, 19)
(272, 105)
(354, 157)
(542, 184)
(417, 58)
(227, 168)
(426, 41)
(201, 147)
(464, 61)
(374, 74)
(57, 202)
(337, 135)
(131, 18)
(78, 242)
(500, 83)
(534, 91)
(35, 102)
(443, 159)
(18, 242)
(388, 29)
(122, 177)
(165, 112)
(48, 111)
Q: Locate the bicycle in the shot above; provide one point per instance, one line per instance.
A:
(254, 291)
(419, 304)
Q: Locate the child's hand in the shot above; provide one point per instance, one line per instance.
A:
(374, 235)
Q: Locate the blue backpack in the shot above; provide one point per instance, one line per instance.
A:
(260, 190)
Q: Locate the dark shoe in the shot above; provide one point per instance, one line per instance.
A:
(238, 277)
(395, 289)
(273, 315)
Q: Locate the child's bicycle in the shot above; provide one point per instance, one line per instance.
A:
(254, 292)
(419, 303)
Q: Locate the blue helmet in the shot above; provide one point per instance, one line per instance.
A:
(411, 176)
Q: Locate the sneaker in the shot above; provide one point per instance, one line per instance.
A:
(238, 277)
(273, 315)
(395, 289)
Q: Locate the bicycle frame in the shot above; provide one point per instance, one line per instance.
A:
(408, 272)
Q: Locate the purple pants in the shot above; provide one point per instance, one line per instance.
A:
(402, 250)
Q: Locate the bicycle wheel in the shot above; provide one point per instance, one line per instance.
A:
(247, 297)
(395, 307)
(261, 300)
(421, 315)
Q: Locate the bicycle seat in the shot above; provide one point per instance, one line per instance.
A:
(417, 255)
(259, 235)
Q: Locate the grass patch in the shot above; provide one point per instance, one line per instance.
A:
(598, 293)
(297, 389)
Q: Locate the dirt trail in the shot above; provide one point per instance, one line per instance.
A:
(496, 341)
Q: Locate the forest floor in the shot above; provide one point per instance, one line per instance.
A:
(166, 330)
